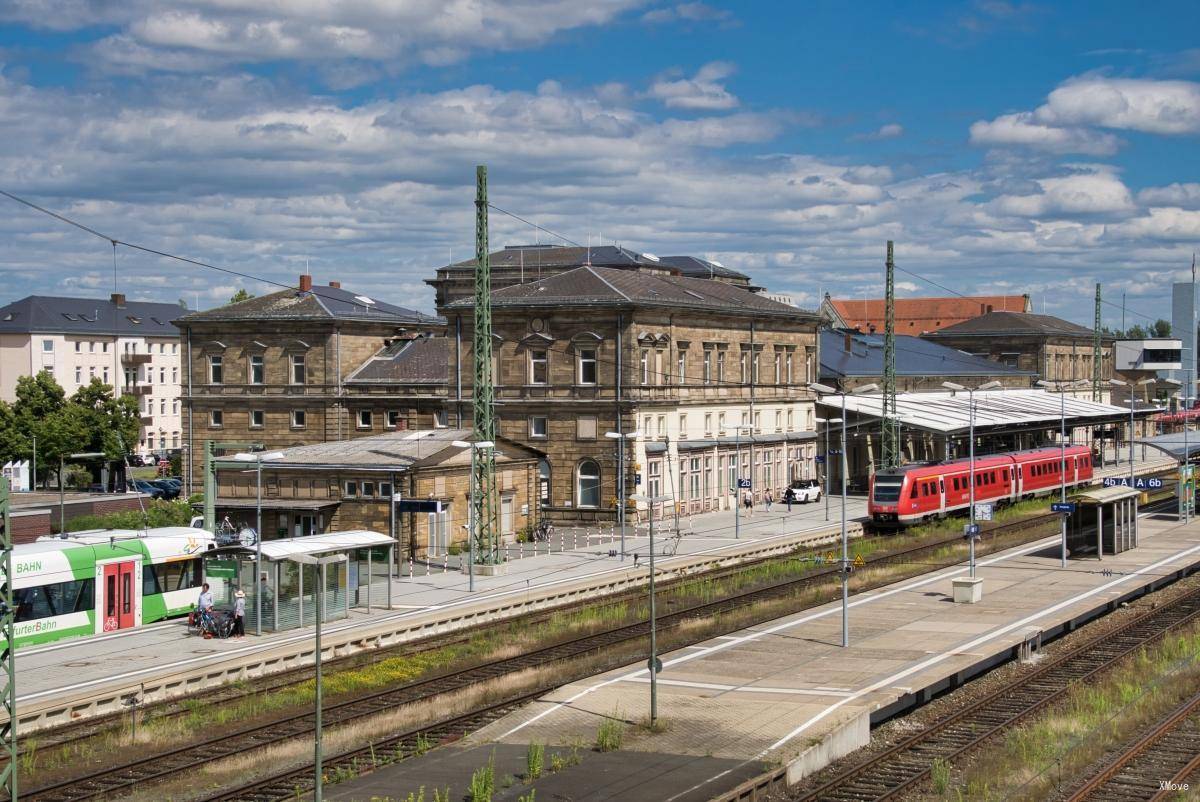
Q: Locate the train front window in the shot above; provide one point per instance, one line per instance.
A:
(887, 489)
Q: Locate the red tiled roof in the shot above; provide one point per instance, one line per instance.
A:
(919, 315)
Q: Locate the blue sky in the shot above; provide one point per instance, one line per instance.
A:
(1005, 146)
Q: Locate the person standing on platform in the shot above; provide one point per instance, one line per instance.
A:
(789, 496)
(205, 602)
(748, 503)
(768, 500)
(239, 613)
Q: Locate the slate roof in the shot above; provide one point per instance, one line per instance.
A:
(533, 256)
(424, 360)
(914, 357)
(396, 450)
(1013, 324)
(320, 303)
(608, 287)
(695, 267)
(47, 314)
(920, 315)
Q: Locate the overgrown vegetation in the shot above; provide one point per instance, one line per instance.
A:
(483, 782)
(158, 513)
(610, 734)
(535, 760)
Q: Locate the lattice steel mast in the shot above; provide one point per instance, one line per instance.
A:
(1097, 373)
(8, 662)
(483, 476)
(890, 441)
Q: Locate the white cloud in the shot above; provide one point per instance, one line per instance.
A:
(688, 12)
(704, 91)
(1023, 130)
(1156, 107)
(196, 35)
(887, 131)
(1083, 193)
(1185, 195)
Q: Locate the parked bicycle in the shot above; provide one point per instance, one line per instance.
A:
(543, 531)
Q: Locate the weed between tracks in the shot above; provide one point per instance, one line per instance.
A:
(1053, 752)
(501, 641)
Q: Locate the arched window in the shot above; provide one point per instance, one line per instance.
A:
(587, 484)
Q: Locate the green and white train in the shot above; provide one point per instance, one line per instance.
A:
(101, 581)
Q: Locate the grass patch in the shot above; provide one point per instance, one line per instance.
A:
(535, 761)
(610, 734)
(483, 782)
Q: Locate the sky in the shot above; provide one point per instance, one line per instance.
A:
(1006, 147)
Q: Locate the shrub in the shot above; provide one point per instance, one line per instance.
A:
(158, 513)
(610, 734)
(483, 782)
(535, 761)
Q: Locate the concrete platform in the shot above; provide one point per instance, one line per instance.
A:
(788, 693)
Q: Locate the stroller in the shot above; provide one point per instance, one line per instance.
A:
(211, 623)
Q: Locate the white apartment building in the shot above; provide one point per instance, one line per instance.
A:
(129, 344)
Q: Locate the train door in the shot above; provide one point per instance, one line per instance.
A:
(119, 597)
(941, 488)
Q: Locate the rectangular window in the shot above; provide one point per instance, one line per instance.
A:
(660, 378)
(91, 346)
(256, 369)
(754, 362)
(790, 421)
(175, 407)
(440, 419)
(662, 425)
(216, 419)
(681, 368)
(257, 418)
(299, 418)
(368, 489)
(162, 375)
(720, 423)
(351, 488)
(788, 366)
(537, 426)
(744, 368)
(385, 489)
(645, 366)
(720, 367)
(78, 346)
(585, 427)
(683, 427)
(174, 375)
(538, 367)
(708, 424)
(298, 372)
(79, 378)
(757, 422)
(646, 426)
(778, 420)
(587, 366)
(216, 370)
(162, 403)
(708, 367)
(393, 418)
(364, 419)
(47, 346)
(778, 367)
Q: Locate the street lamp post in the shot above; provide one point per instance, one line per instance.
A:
(845, 569)
(1062, 387)
(825, 457)
(621, 438)
(653, 662)
(475, 446)
(257, 457)
(971, 451)
(737, 478)
(320, 562)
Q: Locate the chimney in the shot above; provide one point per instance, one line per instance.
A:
(118, 299)
(306, 283)
(847, 342)
(337, 285)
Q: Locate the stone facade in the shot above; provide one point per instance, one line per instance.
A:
(684, 379)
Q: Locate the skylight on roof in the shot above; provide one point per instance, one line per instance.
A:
(694, 294)
(9, 317)
(156, 320)
(715, 262)
(133, 319)
(69, 316)
(650, 256)
(362, 299)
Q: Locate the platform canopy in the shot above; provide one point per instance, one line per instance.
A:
(1173, 444)
(284, 548)
(949, 413)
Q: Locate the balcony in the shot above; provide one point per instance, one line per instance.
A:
(132, 358)
(136, 389)
(146, 417)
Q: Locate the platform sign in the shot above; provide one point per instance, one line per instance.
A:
(971, 530)
(984, 510)
(1139, 482)
(418, 505)
(743, 484)
(820, 459)
(654, 665)
(637, 478)
(1067, 507)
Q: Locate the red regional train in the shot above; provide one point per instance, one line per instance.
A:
(914, 493)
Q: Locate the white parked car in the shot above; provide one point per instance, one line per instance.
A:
(806, 490)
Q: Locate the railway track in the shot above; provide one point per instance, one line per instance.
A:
(906, 765)
(1155, 765)
(150, 767)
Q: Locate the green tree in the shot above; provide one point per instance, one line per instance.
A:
(14, 444)
(241, 295)
(111, 424)
(1161, 328)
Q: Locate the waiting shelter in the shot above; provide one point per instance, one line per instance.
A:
(289, 588)
(1105, 521)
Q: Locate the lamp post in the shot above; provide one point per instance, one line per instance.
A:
(320, 562)
(827, 421)
(845, 569)
(1131, 385)
(475, 446)
(1062, 387)
(737, 491)
(258, 457)
(653, 664)
(62, 484)
(971, 535)
(621, 438)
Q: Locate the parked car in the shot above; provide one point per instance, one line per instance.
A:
(806, 490)
(170, 489)
(151, 490)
